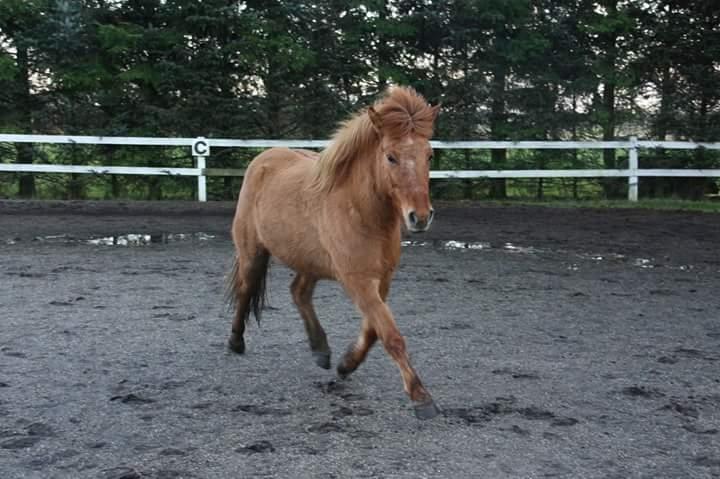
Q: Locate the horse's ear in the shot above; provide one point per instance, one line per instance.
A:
(375, 119)
(436, 110)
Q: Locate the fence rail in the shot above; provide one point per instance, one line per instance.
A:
(201, 148)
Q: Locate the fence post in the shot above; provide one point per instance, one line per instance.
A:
(201, 150)
(633, 167)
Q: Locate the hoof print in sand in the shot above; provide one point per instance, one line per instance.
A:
(344, 411)
(642, 392)
(132, 398)
(339, 389)
(564, 421)
(20, 442)
(517, 430)
(695, 429)
(705, 461)
(257, 448)
(515, 374)
(39, 429)
(535, 413)
(683, 408)
(171, 451)
(325, 428)
(121, 473)
(503, 407)
(261, 410)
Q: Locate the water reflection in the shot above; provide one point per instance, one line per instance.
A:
(147, 239)
(643, 263)
(576, 260)
(128, 239)
(513, 248)
(451, 244)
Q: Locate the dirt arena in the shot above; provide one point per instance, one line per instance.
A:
(558, 343)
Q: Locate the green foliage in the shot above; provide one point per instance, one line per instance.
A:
(8, 68)
(503, 69)
(119, 39)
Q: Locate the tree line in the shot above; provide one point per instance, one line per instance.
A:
(502, 69)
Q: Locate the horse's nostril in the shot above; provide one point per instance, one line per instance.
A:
(431, 215)
(412, 217)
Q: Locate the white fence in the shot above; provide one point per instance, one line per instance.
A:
(200, 149)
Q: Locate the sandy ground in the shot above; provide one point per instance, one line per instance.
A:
(559, 343)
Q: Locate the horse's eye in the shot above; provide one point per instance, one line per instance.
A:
(392, 159)
(430, 158)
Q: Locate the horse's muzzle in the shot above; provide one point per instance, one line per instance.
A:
(417, 222)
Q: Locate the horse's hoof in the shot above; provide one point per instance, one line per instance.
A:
(426, 410)
(236, 345)
(322, 359)
(342, 371)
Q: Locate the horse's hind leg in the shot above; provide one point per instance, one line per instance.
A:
(302, 290)
(247, 290)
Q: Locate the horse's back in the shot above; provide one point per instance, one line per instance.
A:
(278, 160)
(276, 165)
(272, 170)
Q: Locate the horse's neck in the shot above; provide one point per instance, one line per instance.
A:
(370, 194)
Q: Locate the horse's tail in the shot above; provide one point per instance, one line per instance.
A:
(255, 281)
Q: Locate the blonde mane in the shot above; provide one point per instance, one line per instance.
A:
(402, 112)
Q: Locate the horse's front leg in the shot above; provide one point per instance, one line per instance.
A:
(358, 351)
(366, 295)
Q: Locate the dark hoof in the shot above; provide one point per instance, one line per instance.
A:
(343, 372)
(236, 344)
(426, 410)
(322, 359)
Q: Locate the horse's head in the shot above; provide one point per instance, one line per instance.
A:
(405, 122)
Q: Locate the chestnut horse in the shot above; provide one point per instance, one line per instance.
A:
(339, 215)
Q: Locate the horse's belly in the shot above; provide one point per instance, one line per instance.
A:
(297, 248)
(311, 261)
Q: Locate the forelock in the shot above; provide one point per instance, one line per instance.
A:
(404, 112)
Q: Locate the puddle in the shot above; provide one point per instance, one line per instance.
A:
(513, 248)
(129, 239)
(437, 244)
(577, 261)
(643, 263)
(472, 245)
(602, 257)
